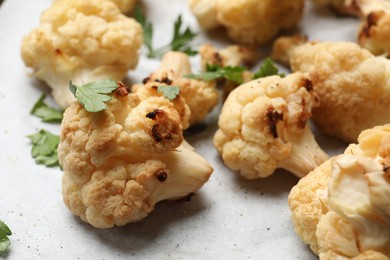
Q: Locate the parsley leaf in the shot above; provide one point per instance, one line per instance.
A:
(4, 240)
(268, 68)
(216, 71)
(45, 112)
(169, 92)
(179, 42)
(92, 95)
(180, 39)
(44, 149)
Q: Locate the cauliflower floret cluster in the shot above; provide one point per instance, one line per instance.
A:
(196, 97)
(118, 163)
(248, 21)
(352, 85)
(82, 41)
(263, 126)
(341, 209)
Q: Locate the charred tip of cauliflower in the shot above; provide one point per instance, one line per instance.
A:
(263, 126)
(120, 162)
(341, 208)
(196, 98)
(81, 41)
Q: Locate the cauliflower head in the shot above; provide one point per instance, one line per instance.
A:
(196, 97)
(352, 85)
(249, 21)
(263, 126)
(120, 162)
(82, 41)
(341, 208)
(374, 30)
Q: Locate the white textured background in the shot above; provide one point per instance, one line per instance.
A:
(229, 218)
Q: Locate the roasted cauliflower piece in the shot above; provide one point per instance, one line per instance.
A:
(248, 21)
(284, 45)
(196, 97)
(341, 209)
(120, 162)
(82, 41)
(263, 126)
(374, 31)
(352, 85)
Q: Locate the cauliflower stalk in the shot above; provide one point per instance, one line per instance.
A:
(352, 85)
(81, 41)
(118, 163)
(196, 97)
(263, 126)
(248, 21)
(341, 209)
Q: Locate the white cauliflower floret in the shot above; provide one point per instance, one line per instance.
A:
(352, 85)
(125, 6)
(341, 209)
(263, 126)
(120, 162)
(82, 41)
(248, 21)
(196, 97)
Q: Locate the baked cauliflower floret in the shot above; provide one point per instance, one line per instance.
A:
(196, 97)
(263, 126)
(374, 31)
(120, 162)
(352, 85)
(125, 6)
(341, 209)
(249, 21)
(284, 45)
(82, 41)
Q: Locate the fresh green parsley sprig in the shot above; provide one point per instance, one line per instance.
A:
(93, 95)
(215, 71)
(268, 68)
(180, 40)
(46, 112)
(4, 240)
(44, 148)
(169, 92)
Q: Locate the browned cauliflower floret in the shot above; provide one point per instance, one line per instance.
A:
(263, 126)
(374, 31)
(341, 209)
(120, 162)
(352, 85)
(82, 41)
(196, 97)
(248, 21)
